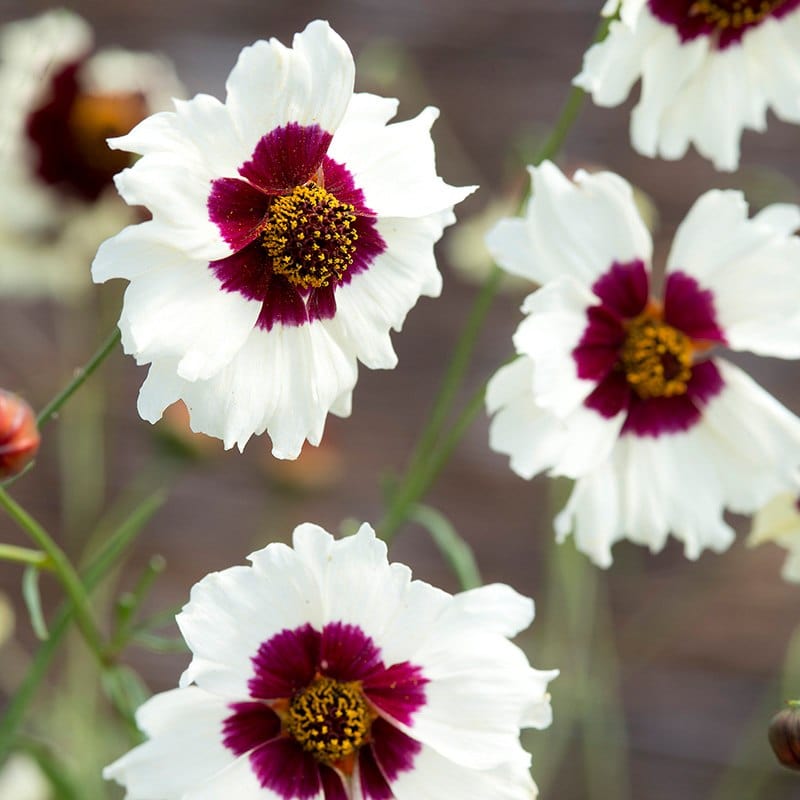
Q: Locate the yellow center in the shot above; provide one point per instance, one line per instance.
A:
(311, 236)
(656, 358)
(97, 117)
(330, 719)
(733, 13)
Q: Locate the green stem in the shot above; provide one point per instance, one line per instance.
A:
(54, 406)
(406, 494)
(62, 568)
(24, 555)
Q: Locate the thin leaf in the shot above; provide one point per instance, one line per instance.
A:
(455, 550)
(33, 600)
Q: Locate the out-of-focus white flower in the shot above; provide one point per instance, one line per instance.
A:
(292, 229)
(21, 779)
(779, 521)
(323, 671)
(61, 100)
(709, 70)
(615, 388)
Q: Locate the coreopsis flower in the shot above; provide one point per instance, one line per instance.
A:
(619, 388)
(323, 671)
(61, 100)
(779, 521)
(292, 228)
(709, 70)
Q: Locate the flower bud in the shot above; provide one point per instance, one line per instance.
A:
(19, 436)
(784, 736)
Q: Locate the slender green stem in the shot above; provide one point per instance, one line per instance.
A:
(25, 555)
(62, 568)
(54, 406)
(405, 494)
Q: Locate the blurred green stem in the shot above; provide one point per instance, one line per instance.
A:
(62, 568)
(25, 555)
(55, 405)
(426, 460)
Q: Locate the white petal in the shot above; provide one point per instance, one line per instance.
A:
(237, 781)
(580, 229)
(555, 324)
(180, 312)
(510, 245)
(284, 381)
(495, 607)
(310, 83)
(752, 266)
(395, 166)
(592, 514)
(176, 193)
(434, 777)
(611, 67)
(754, 441)
(469, 716)
(185, 749)
(380, 297)
(277, 593)
(667, 65)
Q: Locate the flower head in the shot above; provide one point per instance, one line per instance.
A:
(323, 671)
(779, 521)
(62, 99)
(709, 69)
(292, 228)
(619, 387)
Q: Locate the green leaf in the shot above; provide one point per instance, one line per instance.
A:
(455, 550)
(33, 600)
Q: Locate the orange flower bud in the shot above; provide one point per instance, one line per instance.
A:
(19, 436)
(784, 736)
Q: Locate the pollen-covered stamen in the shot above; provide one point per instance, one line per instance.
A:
(330, 719)
(311, 236)
(656, 358)
(725, 14)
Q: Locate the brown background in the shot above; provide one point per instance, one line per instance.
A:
(701, 645)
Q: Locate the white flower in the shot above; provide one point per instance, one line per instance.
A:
(709, 69)
(292, 228)
(779, 521)
(21, 779)
(323, 671)
(60, 102)
(616, 389)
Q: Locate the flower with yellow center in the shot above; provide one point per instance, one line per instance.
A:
(622, 391)
(323, 671)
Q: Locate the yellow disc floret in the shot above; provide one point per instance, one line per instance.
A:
(330, 719)
(656, 358)
(311, 236)
(733, 13)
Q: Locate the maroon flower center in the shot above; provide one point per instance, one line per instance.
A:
(642, 355)
(297, 224)
(310, 236)
(726, 21)
(655, 357)
(69, 131)
(323, 712)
